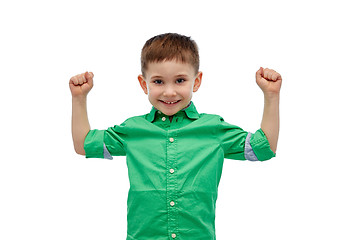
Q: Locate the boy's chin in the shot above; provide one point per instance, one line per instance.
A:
(169, 110)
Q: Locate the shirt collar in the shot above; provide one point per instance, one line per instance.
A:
(190, 110)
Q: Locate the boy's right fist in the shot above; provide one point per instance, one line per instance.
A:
(81, 84)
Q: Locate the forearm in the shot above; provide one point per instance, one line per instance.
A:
(80, 123)
(271, 121)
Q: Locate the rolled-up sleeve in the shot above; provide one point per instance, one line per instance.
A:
(259, 146)
(105, 143)
(238, 144)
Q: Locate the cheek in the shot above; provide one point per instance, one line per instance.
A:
(187, 91)
(152, 92)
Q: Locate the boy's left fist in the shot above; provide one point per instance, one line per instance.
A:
(268, 80)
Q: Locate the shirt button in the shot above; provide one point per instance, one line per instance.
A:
(159, 112)
(171, 140)
(171, 170)
(163, 119)
(173, 235)
(172, 203)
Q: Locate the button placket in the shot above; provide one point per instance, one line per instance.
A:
(172, 184)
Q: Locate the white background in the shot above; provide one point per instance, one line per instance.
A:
(49, 192)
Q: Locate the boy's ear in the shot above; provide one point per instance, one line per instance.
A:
(197, 82)
(142, 82)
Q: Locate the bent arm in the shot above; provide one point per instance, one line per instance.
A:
(80, 123)
(271, 121)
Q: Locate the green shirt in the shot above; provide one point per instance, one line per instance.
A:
(174, 169)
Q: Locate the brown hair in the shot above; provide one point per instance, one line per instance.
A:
(170, 46)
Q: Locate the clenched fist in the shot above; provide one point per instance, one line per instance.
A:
(268, 80)
(81, 84)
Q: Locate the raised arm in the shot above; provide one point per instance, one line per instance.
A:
(80, 85)
(270, 83)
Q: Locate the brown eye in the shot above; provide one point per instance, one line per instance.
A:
(180, 80)
(158, 81)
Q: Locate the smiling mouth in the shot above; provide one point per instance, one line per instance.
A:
(170, 103)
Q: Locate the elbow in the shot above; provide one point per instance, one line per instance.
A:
(79, 148)
(80, 151)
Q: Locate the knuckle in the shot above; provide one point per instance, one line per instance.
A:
(79, 80)
(74, 80)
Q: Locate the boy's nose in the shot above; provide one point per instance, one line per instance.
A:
(169, 92)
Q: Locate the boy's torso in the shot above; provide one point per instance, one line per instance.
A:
(174, 170)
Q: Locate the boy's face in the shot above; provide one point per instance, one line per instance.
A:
(170, 85)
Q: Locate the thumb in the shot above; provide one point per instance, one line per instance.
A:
(259, 73)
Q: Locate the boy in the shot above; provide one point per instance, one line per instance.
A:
(174, 154)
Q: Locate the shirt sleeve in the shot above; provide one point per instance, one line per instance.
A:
(105, 143)
(238, 144)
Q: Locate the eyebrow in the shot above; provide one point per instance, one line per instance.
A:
(179, 75)
(182, 75)
(156, 76)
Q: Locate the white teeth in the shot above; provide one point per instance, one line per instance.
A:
(171, 102)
